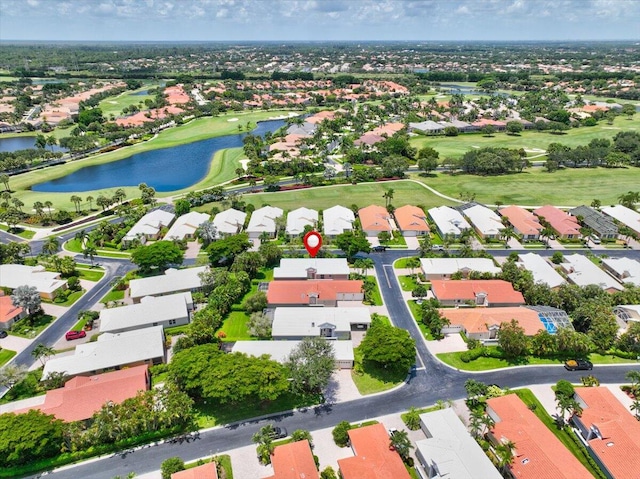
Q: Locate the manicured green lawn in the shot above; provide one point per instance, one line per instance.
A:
(376, 297)
(235, 327)
(23, 329)
(23, 233)
(72, 298)
(5, 356)
(407, 283)
(530, 140)
(535, 187)
(415, 312)
(401, 263)
(90, 274)
(113, 295)
(373, 379)
(563, 435)
(486, 364)
(113, 105)
(209, 415)
(362, 194)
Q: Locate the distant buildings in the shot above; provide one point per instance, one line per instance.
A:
(149, 227)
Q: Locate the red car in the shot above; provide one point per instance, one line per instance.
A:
(75, 335)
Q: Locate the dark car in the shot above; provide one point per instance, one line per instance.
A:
(75, 335)
(379, 249)
(3, 334)
(278, 433)
(578, 365)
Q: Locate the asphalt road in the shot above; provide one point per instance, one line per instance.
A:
(433, 381)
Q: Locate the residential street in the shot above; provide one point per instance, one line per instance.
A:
(433, 381)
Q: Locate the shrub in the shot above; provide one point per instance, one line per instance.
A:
(412, 419)
(328, 473)
(170, 466)
(340, 434)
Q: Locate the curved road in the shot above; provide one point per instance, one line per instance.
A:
(434, 381)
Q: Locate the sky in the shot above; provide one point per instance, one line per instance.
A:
(318, 20)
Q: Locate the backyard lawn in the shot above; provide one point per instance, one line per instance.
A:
(235, 327)
(370, 379)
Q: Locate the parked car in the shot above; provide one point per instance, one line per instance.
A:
(594, 239)
(75, 335)
(379, 248)
(437, 247)
(278, 432)
(578, 365)
(3, 334)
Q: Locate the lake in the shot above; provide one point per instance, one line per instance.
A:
(167, 169)
(21, 143)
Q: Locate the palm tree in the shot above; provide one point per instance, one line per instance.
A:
(48, 205)
(90, 201)
(89, 251)
(4, 179)
(504, 453)
(635, 408)
(507, 234)
(6, 197)
(475, 422)
(76, 200)
(42, 352)
(401, 443)
(39, 209)
(388, 196)
(17, 203)
(51, 246)
(119, 196)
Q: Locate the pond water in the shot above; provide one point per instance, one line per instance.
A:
(140, 93)
(167, 169)
(21, 143)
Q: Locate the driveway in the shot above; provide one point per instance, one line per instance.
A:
(451, 343)
(14, 343)
(412, 242)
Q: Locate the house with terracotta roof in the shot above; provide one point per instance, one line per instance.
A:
(313, 292)
(293, 461)
(443, 268)
(82, 396)
(484, 323)
(9, 314)
(449, 450)
(373, 459)
(411, 220)
(565, 225)
(375, 219)
(487, 292)
(610, 431)
(537, 453)
(205, 471)
(523, 222)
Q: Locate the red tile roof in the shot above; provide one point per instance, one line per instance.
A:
(411, 218)
(562, 222)
(538, 454)
(7, 310)
(206, 471)
(619, 447)
(374, 218)
(497, 290)
(294, 461)
(478, 320)
(82, 396)
(524, 222)
(373, 459)
(297, 292)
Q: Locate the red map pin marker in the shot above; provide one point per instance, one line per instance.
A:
(312, 242)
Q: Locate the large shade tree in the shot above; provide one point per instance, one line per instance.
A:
(311, 365)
